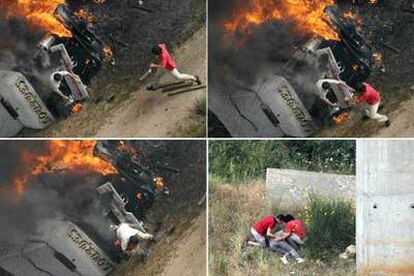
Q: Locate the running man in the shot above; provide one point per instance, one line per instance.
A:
(167, 62)
(372, 99)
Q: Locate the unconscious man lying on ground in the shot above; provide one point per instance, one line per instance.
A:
(286, 241)
(289, 240)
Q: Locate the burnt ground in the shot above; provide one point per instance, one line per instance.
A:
(171, 218)
(388, 24)
(131, 33)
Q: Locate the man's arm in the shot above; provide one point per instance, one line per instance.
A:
(283, 237)
(56, 90)
(153, 65)
(270, 234)
(124, 245)
(145, 236)
(327, 101)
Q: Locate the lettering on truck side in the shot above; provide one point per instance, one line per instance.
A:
(33, 102)
(89, 249)
(293, 105)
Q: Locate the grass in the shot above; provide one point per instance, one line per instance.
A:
(195, 124)
(331, 226)
(232, 210)
(247, 160)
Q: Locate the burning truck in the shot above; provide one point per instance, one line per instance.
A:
(279, 105)
(26, 100)
(84, 244)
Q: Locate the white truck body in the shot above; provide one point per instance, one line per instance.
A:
(20, 105)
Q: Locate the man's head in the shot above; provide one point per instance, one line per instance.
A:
(284, 218)
(57, 76)
(326, 85)
(133, 241)
(156, 50)
(360, 88)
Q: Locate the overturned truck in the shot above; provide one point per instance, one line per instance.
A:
(280, 105)
(65, 247)
(26, 99)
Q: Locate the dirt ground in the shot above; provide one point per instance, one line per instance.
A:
(153, 114)
(178, 254)
(141, 113)
(186, 261)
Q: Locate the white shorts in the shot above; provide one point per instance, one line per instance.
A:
(259, 238)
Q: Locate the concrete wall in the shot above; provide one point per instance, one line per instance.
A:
(385, 207)
(291, 188)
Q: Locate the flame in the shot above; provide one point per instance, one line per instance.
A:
(378, 57)
(108, 51)
(37, 13)
(124, 147)
(85, 15)
(74, 157)
(76, 108)
(309, 16)
(349, 15)
(159, 182)
(341, 118)
(355, 67)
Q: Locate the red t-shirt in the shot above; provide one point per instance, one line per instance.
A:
(370, 96)
(296, 226)
(166, 60)
(131, 246)
(264, 224)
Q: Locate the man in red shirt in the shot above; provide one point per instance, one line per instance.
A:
(263, 228)
(167, 62)
(293, 235)
(371, 98)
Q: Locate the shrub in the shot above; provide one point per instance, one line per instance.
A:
(330, 224)
(246, 160)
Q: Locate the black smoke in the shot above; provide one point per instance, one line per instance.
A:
(47, 196)
(265, 49)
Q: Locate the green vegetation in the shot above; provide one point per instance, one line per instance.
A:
(330, 224)
(234, 208)
(245, 160)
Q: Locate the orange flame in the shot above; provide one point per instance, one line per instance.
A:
(341, 118)
(37, 13)
(108, 51)
(309, 16)
(85, 15)
(356, 67)
(378, 57)
(349, 15)
(74, 157)
(76, 108)
(159, 182)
